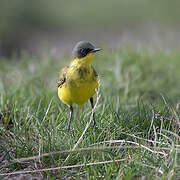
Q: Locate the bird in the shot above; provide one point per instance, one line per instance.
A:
(78, 81)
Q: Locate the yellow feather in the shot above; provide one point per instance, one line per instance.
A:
(81, 81)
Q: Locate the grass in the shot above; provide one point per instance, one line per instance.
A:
(137, 117)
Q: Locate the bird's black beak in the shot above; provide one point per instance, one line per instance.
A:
(96, 49)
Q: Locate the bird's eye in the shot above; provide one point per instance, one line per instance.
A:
(82, 51)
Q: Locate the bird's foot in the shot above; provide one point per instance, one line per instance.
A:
(94, 124)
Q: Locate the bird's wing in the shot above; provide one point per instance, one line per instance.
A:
(62, 76)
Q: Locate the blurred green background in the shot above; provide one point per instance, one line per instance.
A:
(138, 69)
(37, 25)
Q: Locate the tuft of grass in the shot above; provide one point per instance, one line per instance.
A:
(137, 117)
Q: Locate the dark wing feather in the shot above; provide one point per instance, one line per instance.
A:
(62, 76)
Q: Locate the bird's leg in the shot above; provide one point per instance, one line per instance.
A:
(92, 105)
(70, 118)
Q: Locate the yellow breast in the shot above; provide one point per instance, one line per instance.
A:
(80, 85)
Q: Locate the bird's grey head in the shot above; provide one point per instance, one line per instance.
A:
(83, 48)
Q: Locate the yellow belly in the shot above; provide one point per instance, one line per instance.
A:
(77, 92)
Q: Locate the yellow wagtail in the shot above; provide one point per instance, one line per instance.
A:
(77, 82)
